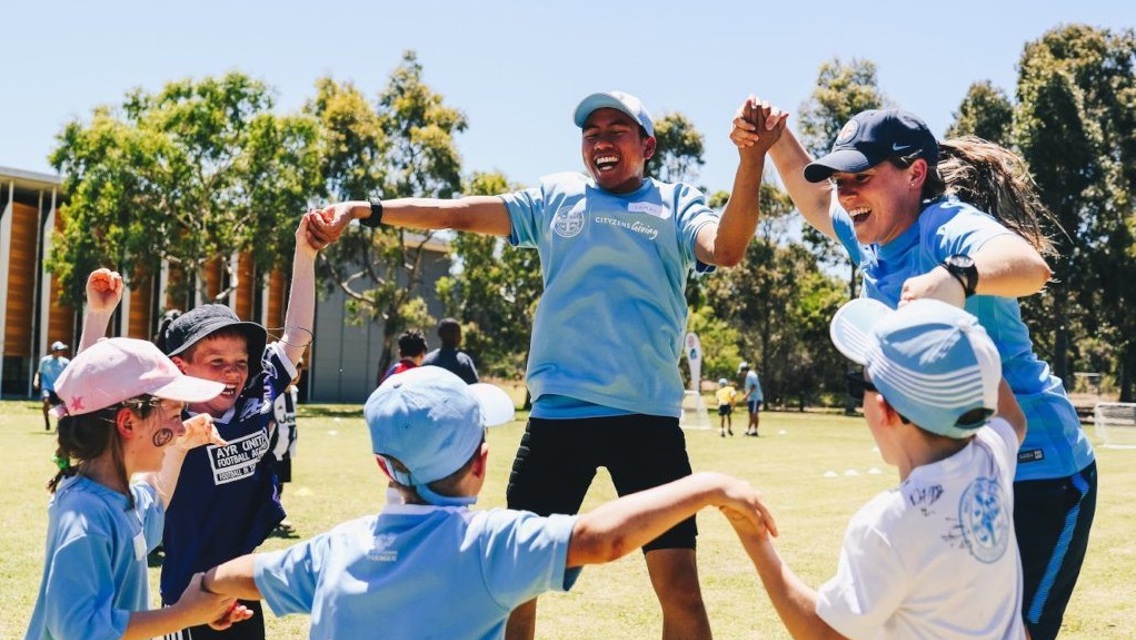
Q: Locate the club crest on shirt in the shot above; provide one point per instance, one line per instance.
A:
(569, 221)
(984, 521)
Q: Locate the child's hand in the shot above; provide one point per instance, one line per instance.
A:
(203, 607)
(238, 613)
(199, 430)
(742, 506)
(104, 290)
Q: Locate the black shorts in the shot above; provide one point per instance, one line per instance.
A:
(1052, 519)
(557, 460)
(725, 409)
(53, 399)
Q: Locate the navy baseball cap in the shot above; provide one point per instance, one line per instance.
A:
(618, 100)
(929, 359)
(873, 136)
(432, 422)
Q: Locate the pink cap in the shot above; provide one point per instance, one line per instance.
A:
(118, 369)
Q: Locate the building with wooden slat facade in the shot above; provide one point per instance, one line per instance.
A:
(342, 362)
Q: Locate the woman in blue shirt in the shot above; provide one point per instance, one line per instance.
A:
(896, 210)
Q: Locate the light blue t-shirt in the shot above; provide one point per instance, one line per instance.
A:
(753, 387)
(419, 571)
(609, 327)
(1055, 445)
(94, 573)
(49, 369)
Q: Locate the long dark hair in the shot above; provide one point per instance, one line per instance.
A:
(995, 180)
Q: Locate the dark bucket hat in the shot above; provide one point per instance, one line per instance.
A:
(200, 322)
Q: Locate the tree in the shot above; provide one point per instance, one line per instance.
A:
(192, 174)
(842, 92)
(1076, 127)
(985, 112)
(401, 147)
(678, 151)
(494, 292)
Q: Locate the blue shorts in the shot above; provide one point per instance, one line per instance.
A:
(1052, 519)
(754, 405)
(557, 460)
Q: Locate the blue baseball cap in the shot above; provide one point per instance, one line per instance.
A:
(929, 359)
(624, 102)
(432, 422)
(873, 136)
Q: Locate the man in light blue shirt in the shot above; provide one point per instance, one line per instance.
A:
(754, 397)
(615, 249)
(375, 576)
(50, 366)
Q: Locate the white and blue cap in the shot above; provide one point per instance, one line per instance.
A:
(873, 136)
(929, 359)
(619, 100)
(432, 422)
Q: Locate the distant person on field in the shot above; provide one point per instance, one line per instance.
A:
(937, 556)
(751, 389)
(411, 351)
(436, 568)
(727, 395)
(50, 366)
(448, 356)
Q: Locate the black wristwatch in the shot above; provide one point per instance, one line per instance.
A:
(963, 269)
(376, 217)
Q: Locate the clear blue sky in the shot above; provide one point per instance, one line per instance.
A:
(517, 68)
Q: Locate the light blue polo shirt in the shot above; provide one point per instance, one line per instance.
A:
(419, 571)
(49, 369)
(608, 330)
(94, 572)
(1055, 445)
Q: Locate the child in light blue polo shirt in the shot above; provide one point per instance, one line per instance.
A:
(467, 568)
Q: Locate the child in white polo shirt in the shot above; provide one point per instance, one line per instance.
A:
(937, 556)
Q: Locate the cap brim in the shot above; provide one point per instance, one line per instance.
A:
(188, 389)
(597, 101)
(845, 160)
(851, 327)
(496, 406)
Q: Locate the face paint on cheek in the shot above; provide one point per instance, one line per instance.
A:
(162, 437)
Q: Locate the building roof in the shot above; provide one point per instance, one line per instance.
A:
(31, 180)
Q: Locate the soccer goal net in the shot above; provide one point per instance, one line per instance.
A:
(694, 414)
(1115, 424)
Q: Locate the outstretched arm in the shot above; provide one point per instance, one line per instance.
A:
(814, 200)
(725, 244)
(104, 292)
(624, 525)
(234, 578)
(299, 319)
(194, 607)
(794, 601)
(479, 214)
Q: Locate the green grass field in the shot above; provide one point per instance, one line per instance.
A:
(335, 478)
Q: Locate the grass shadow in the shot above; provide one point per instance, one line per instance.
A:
(330, 411)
